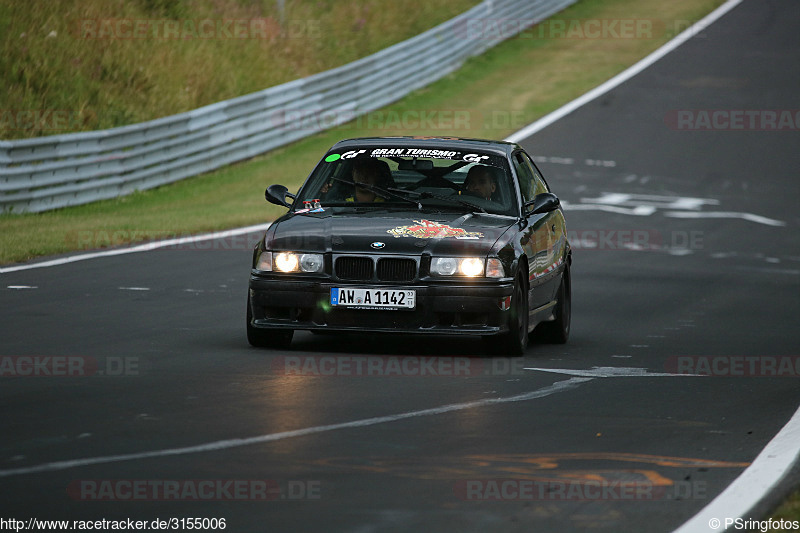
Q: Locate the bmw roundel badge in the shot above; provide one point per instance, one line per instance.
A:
(378, 245)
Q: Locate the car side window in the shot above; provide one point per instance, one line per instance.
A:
(539, 185)
(525, 176)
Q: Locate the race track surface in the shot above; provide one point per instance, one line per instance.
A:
(686, 260)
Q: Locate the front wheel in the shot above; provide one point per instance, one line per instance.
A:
(515, 340)
(557, 331)
(267, 338)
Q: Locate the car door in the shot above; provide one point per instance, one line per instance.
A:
(543, 235)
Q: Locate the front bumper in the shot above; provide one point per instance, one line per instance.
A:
(472, 309)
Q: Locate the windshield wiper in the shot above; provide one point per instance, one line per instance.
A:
(386, 193)
(459, 201)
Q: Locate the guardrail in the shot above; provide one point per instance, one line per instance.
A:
(72, 169)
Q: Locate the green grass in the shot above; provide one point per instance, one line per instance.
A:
(789, 510)
(82, 57)
(494, 94)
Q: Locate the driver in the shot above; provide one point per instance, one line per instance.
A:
(370, 172)
(481, 181)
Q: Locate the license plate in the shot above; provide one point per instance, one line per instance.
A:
(373, 298)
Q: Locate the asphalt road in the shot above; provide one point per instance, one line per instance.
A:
(661, 283)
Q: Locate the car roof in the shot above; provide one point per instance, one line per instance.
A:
(437, 143)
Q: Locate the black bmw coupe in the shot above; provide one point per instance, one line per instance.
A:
(415, 235)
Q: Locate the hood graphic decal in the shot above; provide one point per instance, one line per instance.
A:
(426, 229)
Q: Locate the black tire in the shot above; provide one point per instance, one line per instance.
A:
(267, 338)
(557, 331)
(514, 342)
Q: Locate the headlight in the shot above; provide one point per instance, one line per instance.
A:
(294, 262)
(311, 262)
(444, 266)
(462, 266)
(286, 262)
(471, 266)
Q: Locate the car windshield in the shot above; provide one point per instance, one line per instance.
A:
(404, 177)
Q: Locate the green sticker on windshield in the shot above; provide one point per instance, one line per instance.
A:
(331, 158)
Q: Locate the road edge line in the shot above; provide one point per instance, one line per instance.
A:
(623, 76)
(754, 484)
(145, 247)
(554, 388)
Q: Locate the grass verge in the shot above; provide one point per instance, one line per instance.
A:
(491, 96)
(103, 64)
(788, 511)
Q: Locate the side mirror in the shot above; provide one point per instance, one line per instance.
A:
(276, 194)
(542, 203)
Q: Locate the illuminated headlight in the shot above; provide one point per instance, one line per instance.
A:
(286, 262)
(292, 262)
(462, 266)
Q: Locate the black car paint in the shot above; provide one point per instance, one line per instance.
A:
(534, 244)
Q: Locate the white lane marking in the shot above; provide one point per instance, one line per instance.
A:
(554, 159)
(647, 204)
(623, 76)
(767, 270)
(726, 214)
(653, 200)
(758, 479)
(600, 163)
(611, 372)
(146, 247)
(559, 386)
(22, 287)
(571, 161)
(640, 211)
(134, 288)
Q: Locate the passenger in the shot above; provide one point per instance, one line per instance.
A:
(481, 181)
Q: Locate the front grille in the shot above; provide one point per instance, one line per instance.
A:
(354, 268)
(394, 269)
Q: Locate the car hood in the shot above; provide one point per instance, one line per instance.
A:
(389, 233)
